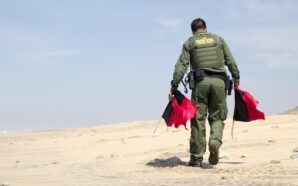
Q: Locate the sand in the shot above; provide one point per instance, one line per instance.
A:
(128, 154)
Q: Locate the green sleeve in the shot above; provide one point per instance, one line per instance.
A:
(181, 65)
(230, 62)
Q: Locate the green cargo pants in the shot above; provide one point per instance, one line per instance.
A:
(210, 96)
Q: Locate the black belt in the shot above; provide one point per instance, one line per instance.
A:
(199, 75)
(219, 75)
(196, 76)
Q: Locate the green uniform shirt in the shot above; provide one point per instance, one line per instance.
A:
(185, 58)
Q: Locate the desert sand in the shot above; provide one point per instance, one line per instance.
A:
(128, 154)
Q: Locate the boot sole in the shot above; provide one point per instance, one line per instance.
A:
(195, 165)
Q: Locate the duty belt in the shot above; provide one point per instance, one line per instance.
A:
(219, 75)
(196, 76)
(200, 74)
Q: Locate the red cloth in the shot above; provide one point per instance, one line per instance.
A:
(181, 113)
(251, 104)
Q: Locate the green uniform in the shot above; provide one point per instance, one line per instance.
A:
(209, 52)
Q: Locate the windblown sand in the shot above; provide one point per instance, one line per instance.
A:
(128, 154)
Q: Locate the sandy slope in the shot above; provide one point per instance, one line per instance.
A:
(293, 111)
(128, 154)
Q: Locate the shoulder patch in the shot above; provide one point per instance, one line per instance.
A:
(204, 41)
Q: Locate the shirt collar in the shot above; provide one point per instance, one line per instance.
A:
(200, 31)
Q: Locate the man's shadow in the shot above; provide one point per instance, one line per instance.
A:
(169, 162)
(174, 162)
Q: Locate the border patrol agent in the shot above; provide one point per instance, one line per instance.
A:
(207, 54)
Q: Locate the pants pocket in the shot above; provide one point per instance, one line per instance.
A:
(223, 113)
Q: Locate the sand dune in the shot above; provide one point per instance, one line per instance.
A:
(293, 111)
(128, 154)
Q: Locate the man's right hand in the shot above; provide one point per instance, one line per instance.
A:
(170, 95)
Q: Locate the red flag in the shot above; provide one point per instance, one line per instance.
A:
(246, 107)
(179, 111)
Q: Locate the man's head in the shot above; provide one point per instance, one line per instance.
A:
(198, 24)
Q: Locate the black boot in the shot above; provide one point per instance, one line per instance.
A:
(214, 154)
(195, 162)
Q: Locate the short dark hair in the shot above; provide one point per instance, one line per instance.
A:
(198, 24)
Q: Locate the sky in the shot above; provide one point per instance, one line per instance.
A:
(71, 63)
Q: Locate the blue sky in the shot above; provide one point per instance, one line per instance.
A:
(84, 63)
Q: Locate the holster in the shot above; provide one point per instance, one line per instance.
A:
(194, 77)
(190, 79)
(229, 85)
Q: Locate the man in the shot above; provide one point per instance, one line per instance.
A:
(207, 55)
